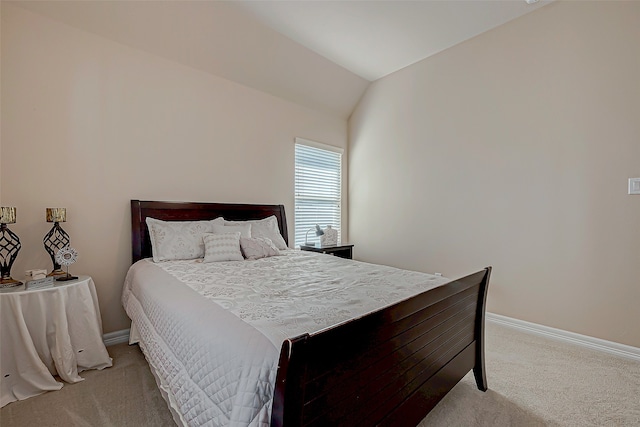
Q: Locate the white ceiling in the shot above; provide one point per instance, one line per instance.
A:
(376, 38)
(319, 54)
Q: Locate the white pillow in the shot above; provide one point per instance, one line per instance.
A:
(244, 229)
(222, 247)
(258, 247)
(267, 227)
(171, 240)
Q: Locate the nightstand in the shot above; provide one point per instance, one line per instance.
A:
(46, 332)
(342, 251)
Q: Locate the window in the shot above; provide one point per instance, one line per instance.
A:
(318, 188)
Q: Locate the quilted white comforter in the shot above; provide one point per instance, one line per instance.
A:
(212, 332)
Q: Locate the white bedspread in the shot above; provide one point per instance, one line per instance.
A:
(213, 331)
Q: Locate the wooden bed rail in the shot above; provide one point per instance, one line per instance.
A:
(390, 367)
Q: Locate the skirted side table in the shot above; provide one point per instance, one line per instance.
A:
(47, 332)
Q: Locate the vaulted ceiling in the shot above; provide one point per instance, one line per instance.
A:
(320, 54)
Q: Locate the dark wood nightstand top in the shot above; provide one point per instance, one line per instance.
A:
(344, 250)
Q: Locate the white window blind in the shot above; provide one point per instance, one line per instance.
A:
(317, 189)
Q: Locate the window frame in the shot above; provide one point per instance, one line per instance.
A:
(329, 148)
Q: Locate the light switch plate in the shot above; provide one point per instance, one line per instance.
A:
(634, 185)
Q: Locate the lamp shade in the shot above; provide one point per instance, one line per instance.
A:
(56, 214)
(7, 215)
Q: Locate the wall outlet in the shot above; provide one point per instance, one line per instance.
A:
(634, 185)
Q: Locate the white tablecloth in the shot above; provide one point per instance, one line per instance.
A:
(47, 332)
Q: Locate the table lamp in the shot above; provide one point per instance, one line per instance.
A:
(9, 247)
(319, 233)
(56, 238)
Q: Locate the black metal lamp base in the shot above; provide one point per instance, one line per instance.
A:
(9, 247)
(64, 278)
(9, 283)
(55, 239)
(56, 272)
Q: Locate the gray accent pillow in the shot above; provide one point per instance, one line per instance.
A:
(258, 247)
(222, 247)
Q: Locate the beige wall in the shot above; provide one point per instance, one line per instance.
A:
(514, 149)
(89, 124)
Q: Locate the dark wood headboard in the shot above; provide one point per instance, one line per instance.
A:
(193, 211)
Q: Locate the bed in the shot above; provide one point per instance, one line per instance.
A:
(388, 365)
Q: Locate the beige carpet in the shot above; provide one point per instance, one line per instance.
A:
(533, 381)
(124, 395)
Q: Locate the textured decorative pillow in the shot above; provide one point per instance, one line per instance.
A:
(258, 247)
(244, 229)
(222, 247)
(171, 240)
(267, 227)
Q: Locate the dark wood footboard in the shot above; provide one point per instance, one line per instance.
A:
(390, 367)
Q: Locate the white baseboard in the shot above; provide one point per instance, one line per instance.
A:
(610, 347)
(117, 337)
